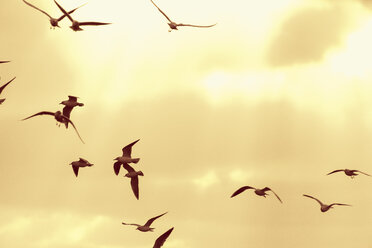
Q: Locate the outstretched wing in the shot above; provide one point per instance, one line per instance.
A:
(267, 188)
(314, 199)
(128, 167)
(161, 11)
(67, 119)
(40, 113)
(93, 23)
(70, 12)
(134, 184)
(162, 238)
(334, 171)
(339, 204)
(76, 170)
(83, 160)
(42, 11)
(1, 62)
(240, 190)
(196, 26)
(130, 224)
(362, 172)
(117, 166)
(127, 150)
(67, 111)
(149, 222)
(3, 87)
(63, 11)
(2, 100)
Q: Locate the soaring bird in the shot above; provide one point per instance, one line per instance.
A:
(53, 21)
(2, 62)
(75, 24)
(146, 227)
(59, 118)
(260, 192)
(325, 207)
(133, 175)
(3, 87)
(350, 173)
(69, 105)
(173, 25)
(126, 158)
(80, 163)
(162, 238)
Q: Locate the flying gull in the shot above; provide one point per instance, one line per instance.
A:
(53, 21)
(260, 192)
(162, 238)
(174, 25)
(350, 173)
(325, 207)
(133, 175)
(75, 24)
(69, 105)
(126, 158)
(81, 163)
(146, 227)
(59, 118)
(3, 87)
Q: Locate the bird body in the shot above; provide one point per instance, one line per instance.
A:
(80, 163)
(325, 207)
(260, 192)
(133, 175)
(146, 227)
(348, 172)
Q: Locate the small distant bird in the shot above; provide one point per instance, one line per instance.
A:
(325, 207)
(3, 87)
(2, 62)
(162, 238)
(133, 175)
(59, 118)
(53, 21)
(260, 192)
(81, 163)
(173, 25)
(69, 105)
(75, 24)
(146, 227)
(126, 158)
(350, 173)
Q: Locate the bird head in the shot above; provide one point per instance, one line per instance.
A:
(117, 158)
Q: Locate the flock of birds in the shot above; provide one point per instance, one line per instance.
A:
(63, 117)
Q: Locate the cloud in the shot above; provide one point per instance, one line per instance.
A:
(207, 180)
(307, 35)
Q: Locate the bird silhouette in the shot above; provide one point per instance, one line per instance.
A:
(173, 25)
(80, 163)
(3, 87)
(126, 158)
(59, 118)
(53, 21)
(75, 24)
(146, 227)
(325, 207)
(350, 173)
(3, 61)
(162, 238)
(133, 175)
(69, 105)
(260, 192)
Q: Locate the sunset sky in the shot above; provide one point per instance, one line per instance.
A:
(277, 94)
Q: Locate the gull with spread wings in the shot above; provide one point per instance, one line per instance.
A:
(53, 21)
(80, 163)
(325, 207)
(350, 173)
(69, 105)
(162, 238)
(3, 87)
(146, 227)
(260, 192)
(133, 175)
(59, 118)
(75, 24)
(174, 25)
(126, 158)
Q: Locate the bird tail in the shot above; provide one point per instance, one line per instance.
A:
(81, 104)
(140, 173)
(135, 160)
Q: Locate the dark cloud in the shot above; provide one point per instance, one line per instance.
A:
(307, 35)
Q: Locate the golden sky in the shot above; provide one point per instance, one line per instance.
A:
(277, 94)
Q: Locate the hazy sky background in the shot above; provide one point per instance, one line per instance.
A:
(277, 94)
